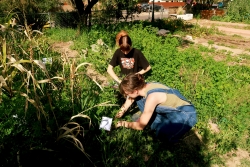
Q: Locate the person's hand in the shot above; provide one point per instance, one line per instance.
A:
(122, 123)
(120, 114)
(118, 124)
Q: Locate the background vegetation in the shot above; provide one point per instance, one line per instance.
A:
(236, 11)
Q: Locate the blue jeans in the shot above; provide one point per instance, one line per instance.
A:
(170, 123)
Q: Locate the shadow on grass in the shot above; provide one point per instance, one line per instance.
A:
(121, 147)
(126, 147)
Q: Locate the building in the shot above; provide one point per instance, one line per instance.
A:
(169, 4)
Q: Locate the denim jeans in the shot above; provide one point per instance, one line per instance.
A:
(170, 123)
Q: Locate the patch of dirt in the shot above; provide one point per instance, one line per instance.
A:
(227, 27)
(213, 127)
(64, 49)
(234, 158)
(100, 79)
(235, 37)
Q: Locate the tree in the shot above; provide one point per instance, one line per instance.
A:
(85, 12)
(27, 6)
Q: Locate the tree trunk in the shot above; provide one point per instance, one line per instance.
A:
(79, 6)
(85, 13)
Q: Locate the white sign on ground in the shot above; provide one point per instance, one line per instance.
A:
(106, 123)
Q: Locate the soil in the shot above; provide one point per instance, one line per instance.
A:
(66, 52)
(233, 37)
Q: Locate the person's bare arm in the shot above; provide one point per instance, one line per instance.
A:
(152, 101)
(112, 73)
(144, 71)
(124, 107)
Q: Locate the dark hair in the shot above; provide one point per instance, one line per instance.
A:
(131, 82)
(125, 43)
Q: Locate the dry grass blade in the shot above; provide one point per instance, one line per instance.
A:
(78, 145)
(42, 66)
(24, 52)
(36, 31)
(70, 135)
(32, 101)
(3, 85)
(1, 92)
(17, 64)
(26, 33)
(72, 76)
(19, 67)
(49, 80)
(99, 105)
(82, 64)
(98, 84)
(34, 81)
(82, 116)
(2, 81)
(4, 53)
(35, 103)
(71, 131)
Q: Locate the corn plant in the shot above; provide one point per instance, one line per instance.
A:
(53, 90)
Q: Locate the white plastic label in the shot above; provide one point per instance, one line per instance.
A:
(106, 123)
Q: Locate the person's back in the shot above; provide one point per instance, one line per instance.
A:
(164, 109)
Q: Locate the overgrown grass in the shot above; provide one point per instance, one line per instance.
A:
(217, 90)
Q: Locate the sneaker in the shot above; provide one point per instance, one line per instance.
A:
(135, 117)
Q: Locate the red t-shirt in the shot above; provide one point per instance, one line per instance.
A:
(134, 61)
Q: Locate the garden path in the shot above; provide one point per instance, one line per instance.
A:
(67, 52)
(234, 37)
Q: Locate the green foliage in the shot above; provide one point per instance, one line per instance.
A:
(239, 10)
(217, 90)
(31, 6)
(38, 98)
(212, 86)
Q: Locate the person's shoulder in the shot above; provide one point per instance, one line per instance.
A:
(117, 51)
(137, 51)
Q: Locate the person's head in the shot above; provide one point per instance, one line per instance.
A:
(131, 84)
(124, 41)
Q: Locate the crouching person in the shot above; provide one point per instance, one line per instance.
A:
(164, 109)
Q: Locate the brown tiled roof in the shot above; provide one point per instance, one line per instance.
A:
(170, 4)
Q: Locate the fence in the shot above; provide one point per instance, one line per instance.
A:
(70, 19)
